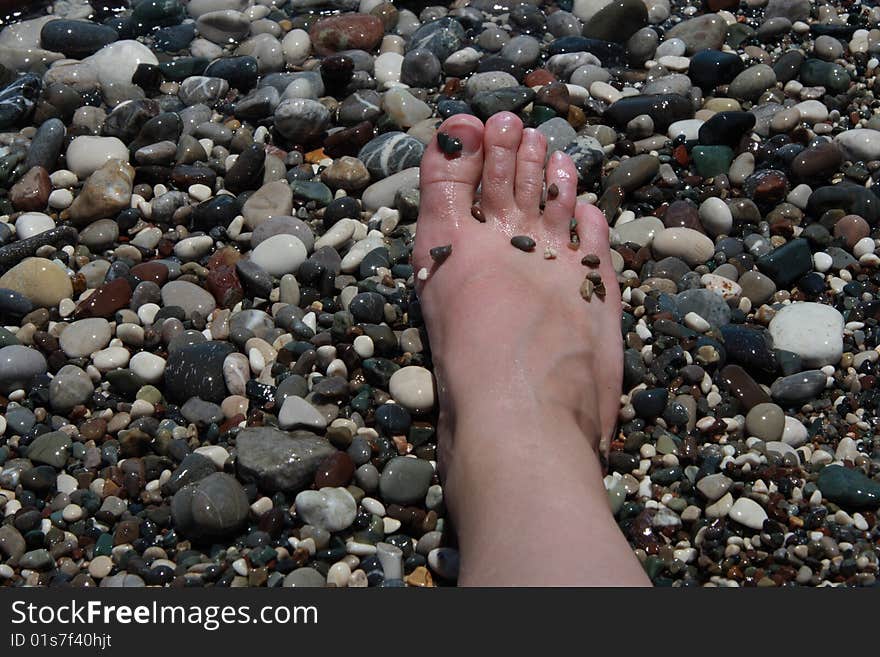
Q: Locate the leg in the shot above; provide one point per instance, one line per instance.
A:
(528, 370)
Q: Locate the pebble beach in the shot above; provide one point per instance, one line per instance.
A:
(213, 367)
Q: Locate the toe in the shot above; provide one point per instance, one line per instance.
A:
(501, 140)
(448, 182)
(561, 193)
(593, 233)
(530, 170)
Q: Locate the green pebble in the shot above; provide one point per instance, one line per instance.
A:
(711, 161)
(150, 394)
(542, 114)
(104, 545)
(850, 488)
(309, 190)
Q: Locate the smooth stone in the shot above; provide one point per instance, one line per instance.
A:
(714, 486)
(726, 128)
(749, 513)
(332, 509)
(798, 388)
(708, 304)
(69, 387)
(860, 144)
(664, 109)
(405, 480)
(715, 216)
(617, 21)
(413, 388)
(32, 223)
(742, 386)
(700, 33)
(86, 154)
(188, 296)
(757, 287)
(272, 199)
(280, 254)
(297, 413)
(117, 62)
(848, 487)
(346, 32)
(690, 245)
(766, 421)
(788, 263)
(196, 370)
(794, 433)
(710, 68)
(639, 231)
(711, 161)
(305, 578)
(752, 82)
(212, 507)
(382, 193)
(50, 448)
(223, 27)
(283, 225)
(813, 331)
(301, 120)
(851, 198)
(105, 193)
(633, 173)
(84, 337)
(42, 281)
(278, 460)
(390, 153)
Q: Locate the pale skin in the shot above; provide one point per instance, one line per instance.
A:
(528, 371)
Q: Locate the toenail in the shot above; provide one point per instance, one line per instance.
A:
(449, 144)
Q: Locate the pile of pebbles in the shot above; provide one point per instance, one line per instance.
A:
(212, 363)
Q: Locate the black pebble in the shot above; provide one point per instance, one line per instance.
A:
(523, 242)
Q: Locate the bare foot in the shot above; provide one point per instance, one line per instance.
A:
(529, 371)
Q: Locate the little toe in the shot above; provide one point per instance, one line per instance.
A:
(501, 140)
(561, 180)
(530, 170)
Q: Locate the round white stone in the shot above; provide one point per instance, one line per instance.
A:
(110, 358)
(280, 255)
(363, 346)
(715, 216)
(863, 247)
(87, 153)
(84, 337)
(296, 46)
(413, 388)
(118, 61)
(814, 331)
(149, 367)
(686, 243)
(33, 223)
(748, 512)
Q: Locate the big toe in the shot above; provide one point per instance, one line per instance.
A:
(448, 183)
(448, 178)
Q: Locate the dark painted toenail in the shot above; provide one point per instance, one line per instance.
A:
(448, 144)
(523, 242)
(552, 191)
(440, 253)
(477, 214)
(590, 260)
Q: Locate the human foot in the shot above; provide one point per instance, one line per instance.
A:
(528, 370)
(508, 324)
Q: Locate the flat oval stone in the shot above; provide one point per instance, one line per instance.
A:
(690, 245)
(413, 388)
(42, 281)
(196, 370)
(188, 296)
(798, 388)
(333, 509)
(848, 487)
(19, 366)
(346, 32)
(405, 480)
(85, 337)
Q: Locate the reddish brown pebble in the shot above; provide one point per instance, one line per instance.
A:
(477, 214)
(335, 470)
(552, 191)
(105, 300)
(596, 277)
(590, 260)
